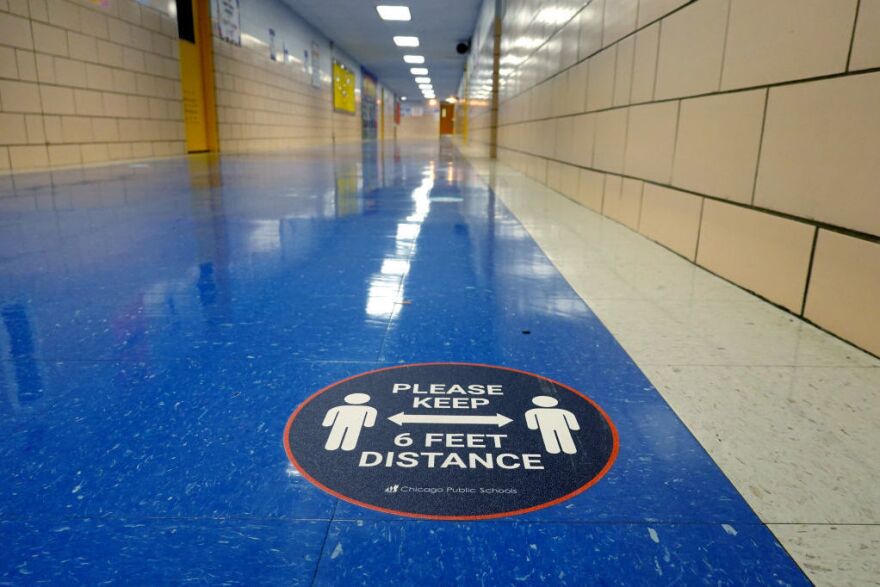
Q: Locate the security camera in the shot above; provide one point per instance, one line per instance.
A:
(463, 47)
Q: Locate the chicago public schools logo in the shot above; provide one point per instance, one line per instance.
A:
(371, 438)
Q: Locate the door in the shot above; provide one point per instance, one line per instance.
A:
(447, 118)
(197, 75)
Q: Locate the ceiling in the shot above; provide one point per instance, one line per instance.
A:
(355, 27)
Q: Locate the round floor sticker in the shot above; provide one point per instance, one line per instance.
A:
(451, 441)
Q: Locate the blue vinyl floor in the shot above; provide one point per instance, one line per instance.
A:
(160, 322)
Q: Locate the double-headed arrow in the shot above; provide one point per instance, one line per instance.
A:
(400, 419)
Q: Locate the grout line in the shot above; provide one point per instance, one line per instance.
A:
(699, 231)
(809, 271)
(656, 63)
(636, 27)
(613, 73)
(724, 43)
(824, 225)
(324, 543)
(730, 91)
(709, 94)
(641, 207)
(399, 520)
(675, 142)
(852, 39)
(760, 146)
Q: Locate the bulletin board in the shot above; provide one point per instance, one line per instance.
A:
(343, 88)
(369, 106)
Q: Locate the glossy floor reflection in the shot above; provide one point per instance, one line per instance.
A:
(159, 322)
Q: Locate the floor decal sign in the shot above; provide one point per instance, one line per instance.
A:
(451, 441)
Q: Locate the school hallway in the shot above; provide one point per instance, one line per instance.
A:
(489, 292)
(162, 321)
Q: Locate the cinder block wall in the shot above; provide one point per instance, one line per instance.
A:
(477, 85)
(90, 82)
(742, 134)
(264, 105)
(85, 82)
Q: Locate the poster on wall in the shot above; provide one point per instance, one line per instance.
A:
(229, 21)
(369, 96)
(315, 69)
(343, 88)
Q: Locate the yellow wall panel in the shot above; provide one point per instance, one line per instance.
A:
(343, 88)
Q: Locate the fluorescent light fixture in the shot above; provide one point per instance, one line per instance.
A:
(418, 70)
(423, 80)
(406, 41)
(394, 12)
(426, 87)
(413, 59)
(403, 98)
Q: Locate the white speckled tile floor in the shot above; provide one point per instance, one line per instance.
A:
(789, 412)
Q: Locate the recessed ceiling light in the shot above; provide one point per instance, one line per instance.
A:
(426, 87)
(403, 98)
(413, 59)
(393, 12)
(418, 70)
(406, 41)
(423, 80)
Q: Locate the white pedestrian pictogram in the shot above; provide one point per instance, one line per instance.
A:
(554, 423)
(347, 422)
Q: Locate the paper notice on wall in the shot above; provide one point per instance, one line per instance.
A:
(229, 21)
(314, 67)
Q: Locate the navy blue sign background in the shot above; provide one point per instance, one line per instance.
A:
(503, 443)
